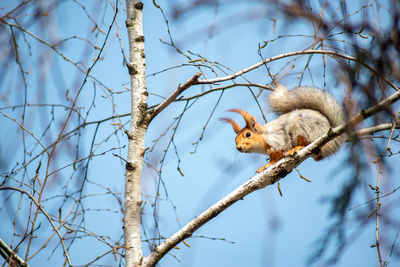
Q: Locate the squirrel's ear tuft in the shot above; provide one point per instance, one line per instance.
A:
(251, 122)
(235, 126)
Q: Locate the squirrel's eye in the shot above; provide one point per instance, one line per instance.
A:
(248, 134)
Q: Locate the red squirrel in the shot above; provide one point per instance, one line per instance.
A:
(305, 114)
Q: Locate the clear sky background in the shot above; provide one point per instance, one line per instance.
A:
(264, 229)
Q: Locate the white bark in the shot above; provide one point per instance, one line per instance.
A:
(136, 134)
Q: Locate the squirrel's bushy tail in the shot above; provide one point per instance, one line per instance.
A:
(284, 101)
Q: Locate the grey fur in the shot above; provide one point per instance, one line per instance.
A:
(306, 112)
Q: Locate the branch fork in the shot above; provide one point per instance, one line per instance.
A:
(182, 87)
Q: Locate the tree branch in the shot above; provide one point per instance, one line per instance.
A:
(291, 54)
(175, 94)
(10, 256)
(54, 48)
(265, 87)
(26, 130)
(269, 176)
(378, 128)
(45, 214)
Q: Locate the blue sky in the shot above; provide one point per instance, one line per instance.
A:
(264, 229)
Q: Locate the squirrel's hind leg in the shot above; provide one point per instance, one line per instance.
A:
(300, 143)
(317, 157)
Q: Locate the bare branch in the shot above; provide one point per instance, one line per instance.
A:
(378, 128)
(265, 87)
(57, 51)
(365, 113)
(26, 130)
(11, 255)
(175, 94)
(378, 200)
(45, 214)
(296, 53)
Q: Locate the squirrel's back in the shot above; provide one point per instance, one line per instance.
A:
(295, 106)
(284, 101)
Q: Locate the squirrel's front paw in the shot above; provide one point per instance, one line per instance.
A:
(261, 169)
(294, 150)
(264, 167)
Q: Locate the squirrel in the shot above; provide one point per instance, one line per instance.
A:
(305, 114)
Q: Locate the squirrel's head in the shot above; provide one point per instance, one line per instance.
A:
(248, 139)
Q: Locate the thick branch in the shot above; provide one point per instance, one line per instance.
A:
(267, 177)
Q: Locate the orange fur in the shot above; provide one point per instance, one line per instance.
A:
(273, 158)
(253, 143)
(294, 150)
(301, 142)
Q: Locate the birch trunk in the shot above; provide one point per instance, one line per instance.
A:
(136, 134)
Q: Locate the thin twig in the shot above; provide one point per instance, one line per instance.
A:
(26, 130)
(377, 213)
(378, 200)
(60, 134)
(53, 47)
(45, 214)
